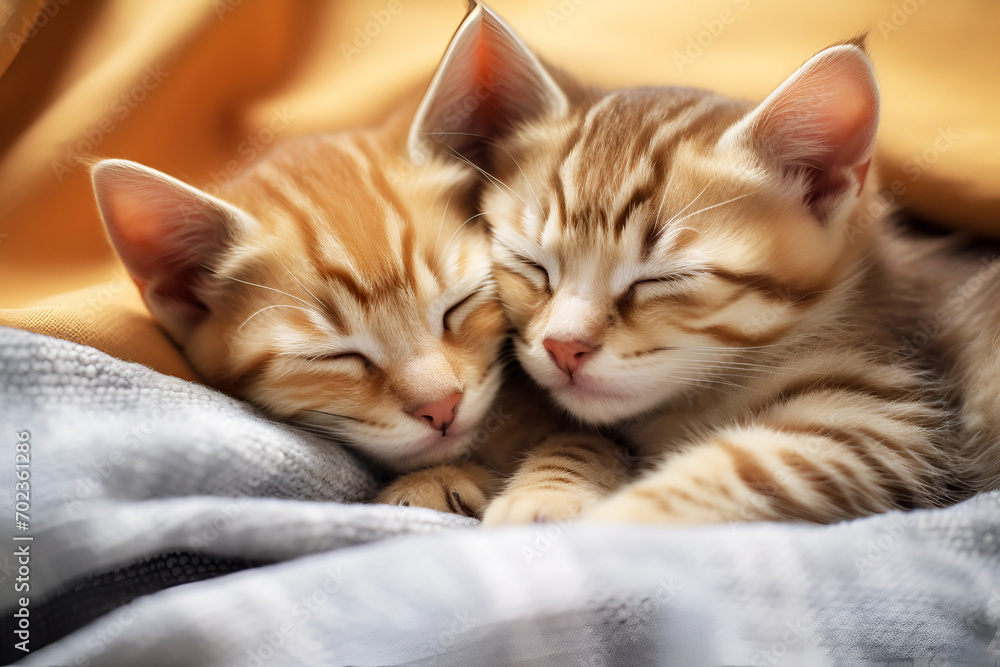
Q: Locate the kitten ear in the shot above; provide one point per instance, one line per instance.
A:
(820, 124)
(167, 233)
(487, 81)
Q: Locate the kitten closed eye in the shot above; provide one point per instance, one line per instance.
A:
(344, 356)
(455, 315)
(654, 286)
(535, 271)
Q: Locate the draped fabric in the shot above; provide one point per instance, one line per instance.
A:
(196, 88)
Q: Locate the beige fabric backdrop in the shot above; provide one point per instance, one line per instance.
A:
(182, 85)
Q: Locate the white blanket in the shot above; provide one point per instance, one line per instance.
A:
(173, 525)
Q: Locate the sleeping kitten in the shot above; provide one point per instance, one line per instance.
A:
(356, 307)
(704, 278)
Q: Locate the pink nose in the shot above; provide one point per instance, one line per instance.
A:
(567, 355)
(440, 414)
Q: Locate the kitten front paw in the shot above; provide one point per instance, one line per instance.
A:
(441, 488)
(650, 505)
(535, 505)
(628, 507)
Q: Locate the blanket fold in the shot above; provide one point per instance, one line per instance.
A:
(173, 525)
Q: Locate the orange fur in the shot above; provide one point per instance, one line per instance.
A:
(703, 278)
(327, 287)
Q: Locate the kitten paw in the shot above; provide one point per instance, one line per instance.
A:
(442, 488)
(643, 505)
(534, 505)
(626, 507)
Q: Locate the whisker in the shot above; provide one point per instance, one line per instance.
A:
(308, 428)
(279, 305)
(713, 366)
(725, 362)
(722, 348)
(709, 208)
(333, 414)
(714, 373)
(499, 145)
(491, 177)
(665, 379)
(298, 422)
(460, 229)
(317, 303)
(247, 282)
(689, 204)
(444, 213)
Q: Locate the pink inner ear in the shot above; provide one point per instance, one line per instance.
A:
(487, 81)
(159, 232)
(165, 233)
(822, 121)
(141, 234)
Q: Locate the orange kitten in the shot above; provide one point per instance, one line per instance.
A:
(356, 307)
(703, 278)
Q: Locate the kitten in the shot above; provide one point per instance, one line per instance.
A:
(323, 286)
(704, 279)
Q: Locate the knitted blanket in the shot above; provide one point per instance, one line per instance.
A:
(167, 524)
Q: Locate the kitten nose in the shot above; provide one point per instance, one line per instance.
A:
(440, 414)
(567, 355)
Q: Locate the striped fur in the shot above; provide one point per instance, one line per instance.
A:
(561, 478)
(704, 279)
(331, 283)
(735, 339)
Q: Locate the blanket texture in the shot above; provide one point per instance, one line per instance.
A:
(172, 525)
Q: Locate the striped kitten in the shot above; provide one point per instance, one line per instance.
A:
(357, 307)
(704, 278)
